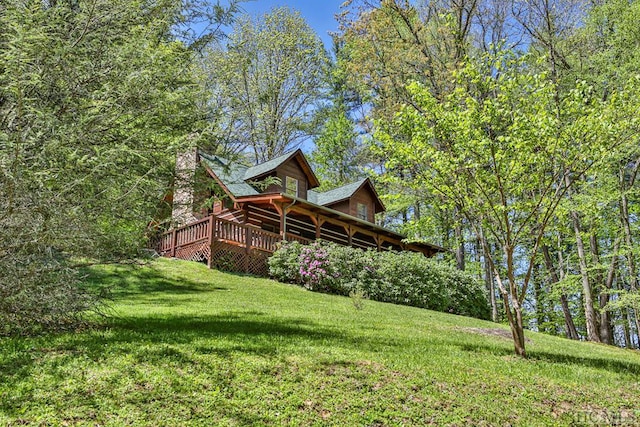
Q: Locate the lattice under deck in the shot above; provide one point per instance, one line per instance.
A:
(234, 258)
(199, 251)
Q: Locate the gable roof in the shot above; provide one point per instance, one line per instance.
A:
(229, 174)
(344, 193)
(265, 168)
(234, 177)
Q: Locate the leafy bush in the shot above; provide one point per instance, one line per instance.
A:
(55, 302)
(400, 278)
(410, 279)
(284, 265)
(466, 294)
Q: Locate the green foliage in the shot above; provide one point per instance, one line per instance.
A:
(284, 265)
(606, 46)
(54, 302)
(95, 99)
(338, 157)
(504, 147)
(263, 83)
(410, 279)
(400, 278)
(556, 103)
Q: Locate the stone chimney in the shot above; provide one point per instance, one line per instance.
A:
(184, 187)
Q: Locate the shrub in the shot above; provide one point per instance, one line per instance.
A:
(400, 278)
(411, 279)
(313, 261)
(284, 265)
(53, 302)
(467, 295)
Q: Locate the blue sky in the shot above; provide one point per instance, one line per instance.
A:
(319, 14)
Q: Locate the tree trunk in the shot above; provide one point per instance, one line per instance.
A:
(630, 316)
(517, 322)
(631, 263)
(512, 308)
(537, 293)
(488, 275)
(590, 315)
(570, 327)
(517, 330)
(625, 328)
(604, 297)
(606, 331)
(459, 242)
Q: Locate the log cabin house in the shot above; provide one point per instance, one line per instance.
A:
(252, 212)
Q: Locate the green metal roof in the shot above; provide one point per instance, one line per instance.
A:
(266, 167)
(231, 174)
(335, 195)
(234, 177)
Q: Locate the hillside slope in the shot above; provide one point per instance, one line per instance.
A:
(185, 345)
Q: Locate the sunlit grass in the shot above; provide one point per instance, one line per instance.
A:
(185, 345)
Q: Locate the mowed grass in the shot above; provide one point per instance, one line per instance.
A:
(185, 345)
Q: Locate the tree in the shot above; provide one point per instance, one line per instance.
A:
(384, 45)
(95, 98)
(498, 149)
(338, 157)
(608, 59)
(265, 82)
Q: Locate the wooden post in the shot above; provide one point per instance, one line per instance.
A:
(247, 238)
(174, 242)
(317, 221)
(350, 232)
(247, 249)
(281, 212)
(318, 226)
(212, 225)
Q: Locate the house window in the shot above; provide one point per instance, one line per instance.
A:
(362, 211)
(268, 227)
(291, 186)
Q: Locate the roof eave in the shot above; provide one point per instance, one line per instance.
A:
(368, 224)
(304, 163)
(219, 181)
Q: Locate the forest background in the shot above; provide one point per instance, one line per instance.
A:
(506, 130)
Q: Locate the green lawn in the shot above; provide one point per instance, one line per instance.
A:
(185, 345)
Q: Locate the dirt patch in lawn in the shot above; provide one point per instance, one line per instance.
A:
(494, 332)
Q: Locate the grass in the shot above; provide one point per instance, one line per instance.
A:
(185, 345)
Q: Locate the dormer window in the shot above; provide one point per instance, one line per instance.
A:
(362, 211)
(291, 186)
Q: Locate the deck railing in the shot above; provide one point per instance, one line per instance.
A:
(224, 230)
(294, 237)
(170, 241)
(245, 235)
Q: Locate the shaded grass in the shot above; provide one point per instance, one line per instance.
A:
(189, 346)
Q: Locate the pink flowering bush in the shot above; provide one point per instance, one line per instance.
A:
(400, 278)
(314, 263)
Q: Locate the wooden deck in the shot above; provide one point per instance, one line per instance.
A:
(223, 244)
